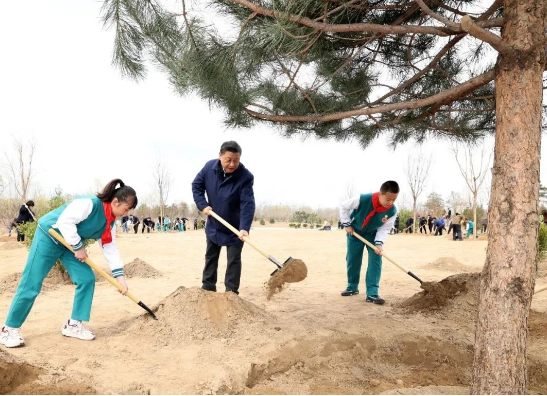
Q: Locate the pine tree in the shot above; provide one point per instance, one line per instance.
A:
(355, 69)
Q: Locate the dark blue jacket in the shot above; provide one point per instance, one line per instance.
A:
(230, 196)
(24, 215)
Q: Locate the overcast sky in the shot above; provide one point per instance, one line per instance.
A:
(58, 85)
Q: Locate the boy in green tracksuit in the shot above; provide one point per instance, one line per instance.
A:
(372, 216)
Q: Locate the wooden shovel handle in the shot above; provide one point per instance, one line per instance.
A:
(236, 231)
(356, 235)
(95, 267)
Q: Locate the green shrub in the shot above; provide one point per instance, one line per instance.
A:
(542, 241)
(262, 222)
(305, 225)
(272, 221)
(404, 215)
(298, 225)
(292, 225)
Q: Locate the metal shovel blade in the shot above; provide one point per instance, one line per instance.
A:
(281, 265)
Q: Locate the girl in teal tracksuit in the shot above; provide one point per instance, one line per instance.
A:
(86, 217)
(372, 216)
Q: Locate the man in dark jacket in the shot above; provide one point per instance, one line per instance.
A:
(135, 221)
(229, 188)
(26, 215)
(147, 223)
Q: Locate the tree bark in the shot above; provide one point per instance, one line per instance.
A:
(508, 276)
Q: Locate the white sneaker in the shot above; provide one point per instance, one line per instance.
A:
(75, 328)
(11, 337)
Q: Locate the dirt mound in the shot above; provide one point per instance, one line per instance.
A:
(447, 264)
(140, 269)
(362, 365)
(11, 245)
(9, 283)
(193, 313)
(20, 378)
(457, 294)
(5, 238)
(294, 271)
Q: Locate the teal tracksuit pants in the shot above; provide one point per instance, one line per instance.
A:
(354, 259)
(41, 259)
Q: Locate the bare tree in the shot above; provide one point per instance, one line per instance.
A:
(19, 166)
(162, 184)
(416, 171)
(474, 167)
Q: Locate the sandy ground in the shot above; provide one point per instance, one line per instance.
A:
(305, 340)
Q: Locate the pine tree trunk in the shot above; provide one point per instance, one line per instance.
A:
(508, 276)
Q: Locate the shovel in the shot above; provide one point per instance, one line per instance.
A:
(96, 268)
(247, 240)
(356, 235)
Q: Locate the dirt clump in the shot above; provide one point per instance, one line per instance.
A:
(457, 294)
(11, 245)
(292, 272)
(140, 269)
(193, 313)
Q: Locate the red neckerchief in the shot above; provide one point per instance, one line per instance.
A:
(107, 234)
(377, 208)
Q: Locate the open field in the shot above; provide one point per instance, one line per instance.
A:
(306, 339)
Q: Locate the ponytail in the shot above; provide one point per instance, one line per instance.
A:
(123, 193)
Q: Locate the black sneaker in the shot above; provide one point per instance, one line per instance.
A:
(348, 292)
(376, 299)
(211, 289)
(231, 291)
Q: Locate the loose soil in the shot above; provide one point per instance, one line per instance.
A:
(10, 245)
(306, 340)
(20, 378)
(193, 313)
(447, 264)
(292, 272)
(141, 269)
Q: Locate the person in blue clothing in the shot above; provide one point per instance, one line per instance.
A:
(86, 217)
(439, 226)
(229, 188)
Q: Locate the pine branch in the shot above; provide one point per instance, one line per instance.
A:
(446, 96)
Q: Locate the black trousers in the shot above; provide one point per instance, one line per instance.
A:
(233, 270)
(457, 232)
(136, 227)
(20, 236)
